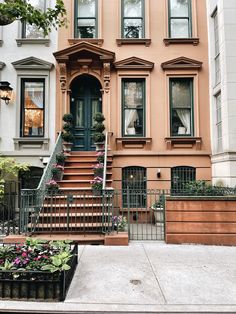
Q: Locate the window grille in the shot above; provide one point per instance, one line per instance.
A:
(179, 177)
(134, 179)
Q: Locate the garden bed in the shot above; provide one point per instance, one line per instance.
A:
(37, 273)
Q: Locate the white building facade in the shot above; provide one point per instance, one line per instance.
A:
(222, 59)
(27, 123)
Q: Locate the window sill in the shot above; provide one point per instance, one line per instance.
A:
(94, 41)
(133, 41)
(172, 41)
(32, 41)
(31, 143)
(133, 143)
(183, 142)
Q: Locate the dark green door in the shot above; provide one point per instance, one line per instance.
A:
(86, 102)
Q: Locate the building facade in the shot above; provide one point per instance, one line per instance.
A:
(222, 62)
(144, 64)
(27, 124)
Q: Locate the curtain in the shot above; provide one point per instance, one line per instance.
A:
(184, 115)
(130, 117)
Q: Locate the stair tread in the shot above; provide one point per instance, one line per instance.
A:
(76, 205)
(79, 181)
(71, 224)
(88, 214)
(81, 189)
(80, 173)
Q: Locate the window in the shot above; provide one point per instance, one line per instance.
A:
(132, 19)
(30, 179)
(181, 103)
(32, 31)
(180, 19)
(217, 48)
(133, 107)
(218, 123)
(32, 107)
(86, 19)
(179, 177)
(135, 179)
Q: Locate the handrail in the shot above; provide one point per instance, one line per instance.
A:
(32, 199)
(105, 160)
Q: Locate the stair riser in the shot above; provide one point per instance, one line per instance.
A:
(70, 184)
(83, 164)
(84, 158)
(78, 201)
(79, 221)
(62, 210)
(76, 170)
(88, 176)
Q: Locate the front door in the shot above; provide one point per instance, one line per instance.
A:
(86, 102)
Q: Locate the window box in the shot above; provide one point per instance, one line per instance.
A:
(37, 285)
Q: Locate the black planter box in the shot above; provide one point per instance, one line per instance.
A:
(37, 285)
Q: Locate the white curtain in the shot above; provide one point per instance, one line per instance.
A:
(184, 115)
(130, 117)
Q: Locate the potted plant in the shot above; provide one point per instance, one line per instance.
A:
(67, 134)
(98, 170)
(97, 185)
(57, 172)
(158, 212)
(100, 157)
(99, 136)
(60, 158)
(52, 187)
(119, 223)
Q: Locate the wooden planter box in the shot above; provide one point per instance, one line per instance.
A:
(37, 285)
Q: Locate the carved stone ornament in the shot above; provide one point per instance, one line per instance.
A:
(106, 76)
(62, 67)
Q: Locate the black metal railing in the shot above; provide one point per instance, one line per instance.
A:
(9, 207)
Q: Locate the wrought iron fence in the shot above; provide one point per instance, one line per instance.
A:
(9, 208)
(61, 212)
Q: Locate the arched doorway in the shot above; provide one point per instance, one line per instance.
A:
(86, 101)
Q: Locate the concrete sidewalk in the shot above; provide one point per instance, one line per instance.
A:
(148, 277)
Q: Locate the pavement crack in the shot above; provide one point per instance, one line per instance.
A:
(159, 285)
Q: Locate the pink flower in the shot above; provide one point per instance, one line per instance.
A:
(24, 254)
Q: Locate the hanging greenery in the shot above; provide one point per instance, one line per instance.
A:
(10, 10)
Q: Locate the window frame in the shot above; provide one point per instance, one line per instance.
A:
(76, 18)
(217, 72)
(189, 170)
(191, 79)
(129, 18)
(219, 140)
(140, 200)
(22, 106)
(23, 28)
(143, 80)
(189, 18)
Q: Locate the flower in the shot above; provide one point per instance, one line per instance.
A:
(119, 222)
(97, 183)
(98, 166)
(100, 154)
(59, 167)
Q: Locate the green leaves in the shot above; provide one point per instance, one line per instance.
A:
(23, 10)
(58, 262)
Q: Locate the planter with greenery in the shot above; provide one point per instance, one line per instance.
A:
(67, 134)
(98, 170)
(57, 172)
(96, 185)
(52, 187)
(37, 270)
(99, 136)
(61, 158)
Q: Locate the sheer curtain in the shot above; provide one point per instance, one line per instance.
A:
(130, 117)
(184, 115)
